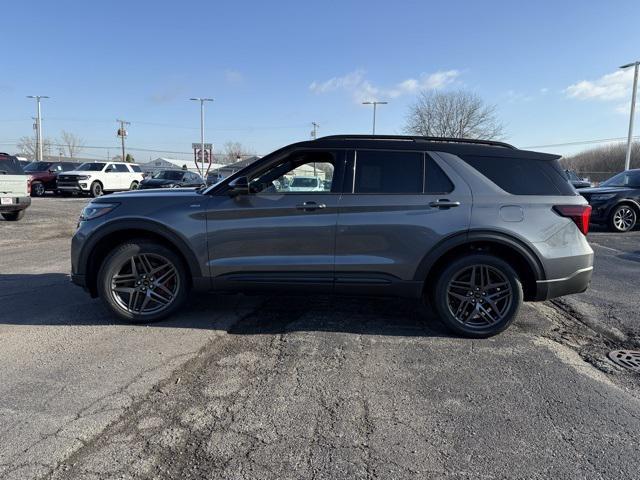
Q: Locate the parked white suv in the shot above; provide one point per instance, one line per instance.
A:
(96, 178)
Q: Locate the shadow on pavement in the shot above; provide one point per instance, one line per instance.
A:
(50, 299)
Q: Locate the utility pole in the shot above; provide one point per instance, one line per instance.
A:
(202, 152)
(38, 127)
(314, 132)
(122, 133)
(375, 104)
(627, 161)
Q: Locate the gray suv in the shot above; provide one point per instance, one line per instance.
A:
(472, 227)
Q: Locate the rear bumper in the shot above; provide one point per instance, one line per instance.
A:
(578, 282)
(19, 203)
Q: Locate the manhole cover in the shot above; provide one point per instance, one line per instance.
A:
(627, 358)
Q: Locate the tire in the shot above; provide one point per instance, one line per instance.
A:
(13, 216)
(132, 298)
(623, 218)
(133, 186)
(478, 308)
(96, 189)
(37, 189)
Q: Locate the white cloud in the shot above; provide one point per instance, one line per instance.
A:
(612, 86)
(544, 91)
(362, 89)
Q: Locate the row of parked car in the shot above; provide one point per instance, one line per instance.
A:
(21, 180)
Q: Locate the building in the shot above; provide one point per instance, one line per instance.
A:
(226, 170)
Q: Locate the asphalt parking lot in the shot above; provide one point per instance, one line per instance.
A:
(307, 387)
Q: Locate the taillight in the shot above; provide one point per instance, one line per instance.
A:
(580, 214)
(29, 180)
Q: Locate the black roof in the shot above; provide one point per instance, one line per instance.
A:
(456, 146)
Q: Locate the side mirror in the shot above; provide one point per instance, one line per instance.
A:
(239, 186)
(108, 170)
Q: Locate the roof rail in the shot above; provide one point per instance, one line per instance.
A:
(410, 138)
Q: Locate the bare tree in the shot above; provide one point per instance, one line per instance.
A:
(27, 146)
(602, 162)
(232, 151)
(72, 142)
(458, 114)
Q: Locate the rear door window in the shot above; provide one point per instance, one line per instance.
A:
(435, 180)
(388, 172)
(119, 167)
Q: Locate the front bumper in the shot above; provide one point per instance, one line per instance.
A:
(577, 282)
(18, 203)
(73, 186)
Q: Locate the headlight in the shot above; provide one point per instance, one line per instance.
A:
(95, 210)
(602, 196)
(83, 177)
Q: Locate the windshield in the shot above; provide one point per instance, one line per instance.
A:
(624, 179)
(37, 166)
(91, 167)
(304, 182)
(169, 175)
(571, 175)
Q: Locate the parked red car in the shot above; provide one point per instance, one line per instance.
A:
(43, 175)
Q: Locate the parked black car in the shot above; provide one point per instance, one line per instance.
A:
(576, 181)
(172, 179)
(616, 202)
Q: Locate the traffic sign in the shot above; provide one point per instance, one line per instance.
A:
(207, 146)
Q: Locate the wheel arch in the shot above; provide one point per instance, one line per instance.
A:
(509, 248)
(108, 237)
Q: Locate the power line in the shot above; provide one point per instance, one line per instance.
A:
(581, 142)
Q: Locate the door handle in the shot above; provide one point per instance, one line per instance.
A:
(444, 203)
(310, 206)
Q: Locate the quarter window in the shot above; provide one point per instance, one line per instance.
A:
(388, 172)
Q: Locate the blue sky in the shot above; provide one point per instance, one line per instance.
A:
(274, 67)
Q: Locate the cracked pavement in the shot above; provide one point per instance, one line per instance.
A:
(305, 387)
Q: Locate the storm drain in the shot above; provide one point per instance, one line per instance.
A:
(626, 358)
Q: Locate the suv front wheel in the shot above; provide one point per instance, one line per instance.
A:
(478, 295)
(96, 189)
(142, 281)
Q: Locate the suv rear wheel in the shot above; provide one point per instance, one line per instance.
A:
(13, 216)
(478, 295)
(142, 281)
(623, 218)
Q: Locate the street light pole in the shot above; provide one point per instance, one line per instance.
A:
(375, 104)
(627, 161)
(38, 151)
(201, 100)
